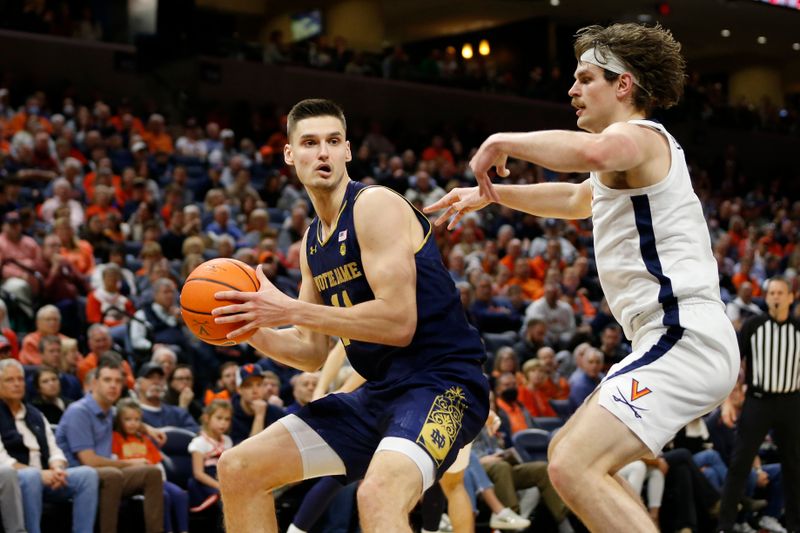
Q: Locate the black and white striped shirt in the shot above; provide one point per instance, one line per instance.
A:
(772, 351)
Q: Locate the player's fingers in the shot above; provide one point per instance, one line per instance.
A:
(456, 219)
(233, 318)
(242, 330)
(486, 188)
(501, 168)
(445, 201)
(235, 296)
(229, 309)
(445, 216)
(261, 276)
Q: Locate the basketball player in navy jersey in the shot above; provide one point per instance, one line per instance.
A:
(373, 277)
(654, 260)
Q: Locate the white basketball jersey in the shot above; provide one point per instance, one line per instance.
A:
(652, 245)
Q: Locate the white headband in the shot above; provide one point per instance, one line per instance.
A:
(609, 61)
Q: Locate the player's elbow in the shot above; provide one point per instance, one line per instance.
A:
(403, 332)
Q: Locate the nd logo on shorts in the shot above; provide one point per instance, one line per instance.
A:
(443, 423)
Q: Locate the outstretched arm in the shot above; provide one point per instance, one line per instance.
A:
(619, 147)
(388, 234)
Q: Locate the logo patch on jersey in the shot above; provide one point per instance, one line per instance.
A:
(312, 250)
(443, 423)
(342, 235)
(636, 392)
(343, 250)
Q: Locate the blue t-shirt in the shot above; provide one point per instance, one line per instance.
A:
(85, 426)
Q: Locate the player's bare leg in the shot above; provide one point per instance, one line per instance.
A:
(459, 506)
(249, 472)
(390, 490)
(584, 457)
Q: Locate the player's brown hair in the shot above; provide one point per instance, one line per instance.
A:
(651, 52)
(313, 107)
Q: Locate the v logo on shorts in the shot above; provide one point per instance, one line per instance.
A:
(621, 399)
(636, 392)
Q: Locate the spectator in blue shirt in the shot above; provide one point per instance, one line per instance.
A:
(586, 378)
(492, 314)
(151, 388)
(223, 225)
(251, 414)
(85, 436)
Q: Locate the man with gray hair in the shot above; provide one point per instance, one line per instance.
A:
(160, 321)
(28, 445)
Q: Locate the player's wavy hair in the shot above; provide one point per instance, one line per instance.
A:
(653, 55)
(313, 107)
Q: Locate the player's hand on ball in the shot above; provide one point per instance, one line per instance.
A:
(266, 308)
(458, 202)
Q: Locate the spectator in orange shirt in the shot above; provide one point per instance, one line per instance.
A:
(576, 296)
(48, 322)
(744, 274)
(77, 251)
(532, 288)
(100, 342)
(533, 395)
(102, 205)
(556, 386)
(105, 304)
(103, 174)
(131, 443)
(156, 136)
(32, 110)
(507, 393)
(550, 259)
(513, 252)
(437, 151)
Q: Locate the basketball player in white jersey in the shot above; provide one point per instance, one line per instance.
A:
(653, 255)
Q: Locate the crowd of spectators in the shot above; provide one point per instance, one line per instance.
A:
(706, 98)
(105, 212)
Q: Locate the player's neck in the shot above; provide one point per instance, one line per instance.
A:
(327, 203)
(624, 114)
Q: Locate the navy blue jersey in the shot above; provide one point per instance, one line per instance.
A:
(443, 338)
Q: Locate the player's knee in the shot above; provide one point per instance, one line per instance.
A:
(369, 495)
(233, 471)
(563, 473)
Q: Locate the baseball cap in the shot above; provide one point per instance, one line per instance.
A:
(138, 145)
(227, 133)
(149, 368)
(248, 371)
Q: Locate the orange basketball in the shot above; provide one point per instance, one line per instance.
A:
(197, 298)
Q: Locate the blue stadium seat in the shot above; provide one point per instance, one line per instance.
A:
(177, 460)
(531, 444)
(562, 408)
(548, 423)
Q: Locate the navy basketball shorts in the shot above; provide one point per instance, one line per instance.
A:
(440, 410)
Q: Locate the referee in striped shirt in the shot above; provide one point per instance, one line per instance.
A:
(770, 348)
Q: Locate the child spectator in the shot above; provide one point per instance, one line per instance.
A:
(205, 450)
(130, 442)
